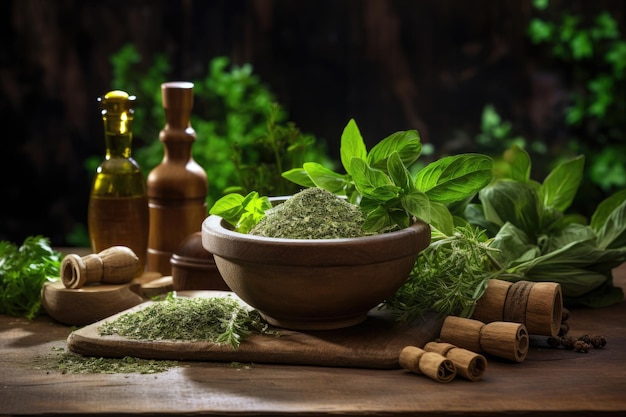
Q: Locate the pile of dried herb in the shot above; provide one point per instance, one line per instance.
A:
(216, 319)
(313, 213)
(70, 363)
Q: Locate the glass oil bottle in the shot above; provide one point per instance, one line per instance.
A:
(118, 212)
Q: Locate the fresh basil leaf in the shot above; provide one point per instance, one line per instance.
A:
(579, 266)
(372, 182)
(605, 208)
(398, 172)
(559, 221)
(441, 218)
(519, 163)
(241, 212)
(399, 218)
(229, 207)
(406, 143)
(514, 202)
(352, 145)
(514, 246)
(377, 220)
(256, 204)
(299, 176)
(384, 193)
(612, 233)
(560, 186)
(417, 204)
(571, 233)
(475, 215)
(454, 178)
(325, 178)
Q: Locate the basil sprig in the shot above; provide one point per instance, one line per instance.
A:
(381, 183)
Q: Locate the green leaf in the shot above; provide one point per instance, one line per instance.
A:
(612, 232)
(417, 204)
(398, 172)
(475, 215)
(372, 182)
(514, 202)
(605, 208)
(299, 176)
(23, 272)
(377, 220)
(580, 267)
(406, 143)
(514, 245)
(454, 178)
(229, 207)
(561, 185)
(519, 163)
(441, 218)
(241, 212)
(352, 145)
(581, 45)
(325, 178)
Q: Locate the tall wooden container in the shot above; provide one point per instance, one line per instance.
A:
(177, 187)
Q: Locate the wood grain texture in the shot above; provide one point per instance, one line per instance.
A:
(550, 382)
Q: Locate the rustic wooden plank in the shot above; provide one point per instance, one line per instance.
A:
(550, 382)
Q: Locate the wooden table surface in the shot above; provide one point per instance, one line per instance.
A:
(549, 382)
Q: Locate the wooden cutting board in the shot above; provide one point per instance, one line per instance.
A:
(375, 343)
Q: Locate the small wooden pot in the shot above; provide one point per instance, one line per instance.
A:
(193, 267)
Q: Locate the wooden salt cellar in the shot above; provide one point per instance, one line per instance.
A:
(503, 339)
(537, 305)
(115, 265)
(177, 187)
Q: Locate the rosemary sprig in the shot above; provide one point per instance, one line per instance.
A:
(448, 276)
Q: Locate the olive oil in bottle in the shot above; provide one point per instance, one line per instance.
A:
(118, 204)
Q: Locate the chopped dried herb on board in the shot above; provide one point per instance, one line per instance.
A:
(221, 320)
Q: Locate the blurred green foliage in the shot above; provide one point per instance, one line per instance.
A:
(593, 50)
(244, 141)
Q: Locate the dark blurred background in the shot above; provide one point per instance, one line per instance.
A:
(430, 65)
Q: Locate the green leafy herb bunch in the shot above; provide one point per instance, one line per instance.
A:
(380, 183)
(23, 272)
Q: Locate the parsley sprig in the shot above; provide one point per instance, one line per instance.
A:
(23, 272)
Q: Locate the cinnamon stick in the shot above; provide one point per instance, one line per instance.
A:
(506, 340)
(536, 305)
(469, 365)
(431, 364)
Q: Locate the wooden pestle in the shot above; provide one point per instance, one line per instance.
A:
(114, 265)
(537, 305)
(431, 364)
(469, 365)
(500, 338)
